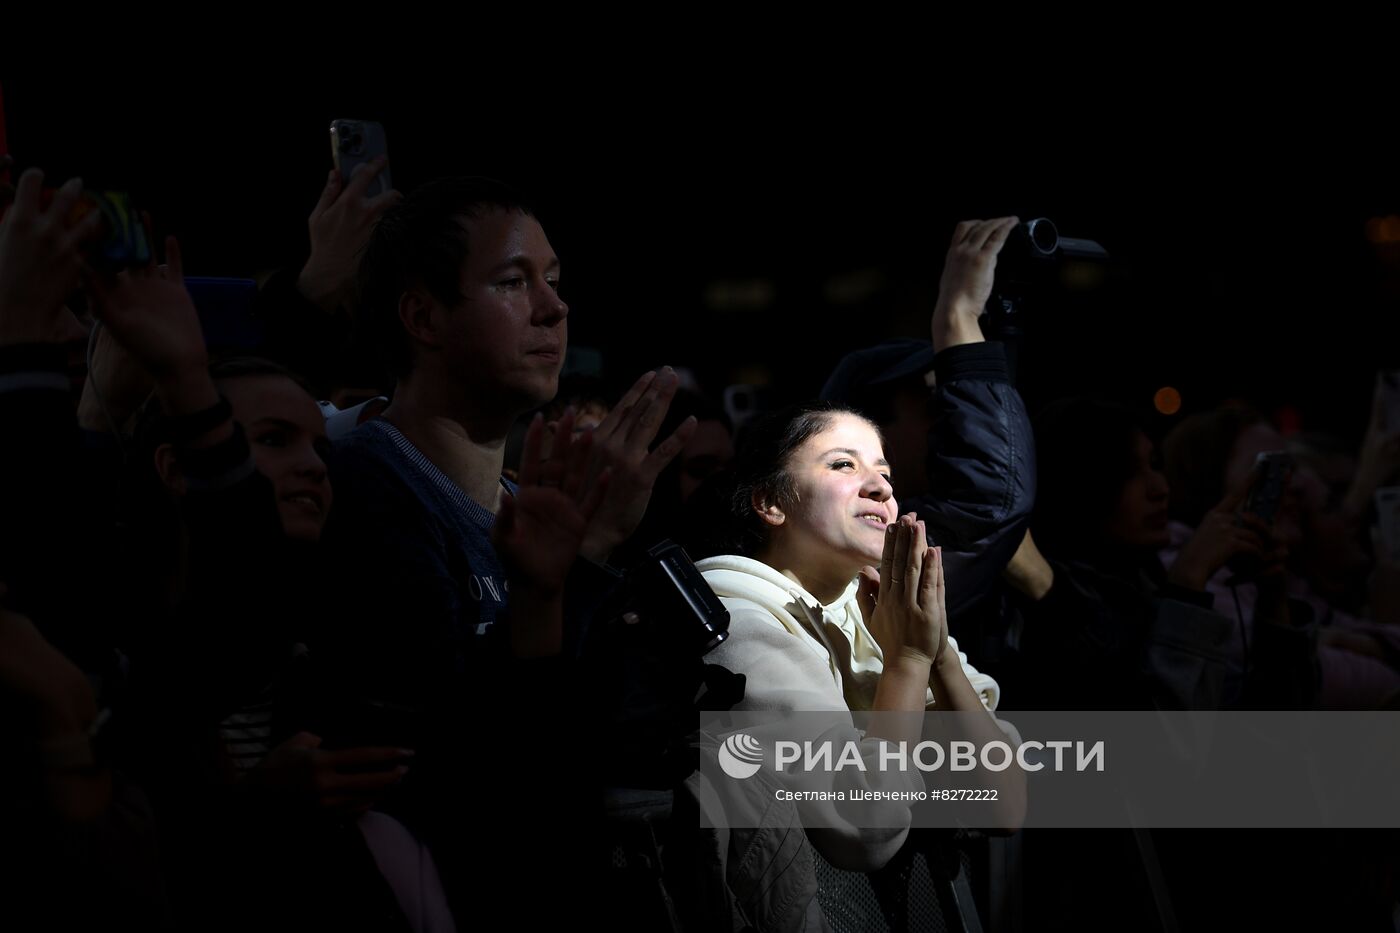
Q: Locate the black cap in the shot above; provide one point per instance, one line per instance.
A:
(882, 363)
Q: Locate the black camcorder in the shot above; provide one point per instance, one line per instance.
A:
(668, 586)
(645, 656)
(1030, 260)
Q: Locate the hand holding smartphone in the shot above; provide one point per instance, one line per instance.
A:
(359, 142)
(1272, 471)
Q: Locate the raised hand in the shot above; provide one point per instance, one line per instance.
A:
(968, 275)
(340, 225)
(539, 530)
(41, 260)
(1222, 536)
(904, 601)
(152, 316)
(622, 445)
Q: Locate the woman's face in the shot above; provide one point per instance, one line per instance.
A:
(287, 432)
(1140, 520)
(844, 498)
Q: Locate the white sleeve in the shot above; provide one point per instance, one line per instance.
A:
(987, 688)
(785, 671)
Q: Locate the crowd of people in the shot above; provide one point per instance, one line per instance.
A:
(263, 669)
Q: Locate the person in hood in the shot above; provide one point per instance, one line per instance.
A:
(836, 600)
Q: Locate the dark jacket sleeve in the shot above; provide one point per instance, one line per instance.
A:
(981, 471)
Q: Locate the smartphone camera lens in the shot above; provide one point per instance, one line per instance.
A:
(350, 138)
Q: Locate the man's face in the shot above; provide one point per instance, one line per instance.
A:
(507, 339)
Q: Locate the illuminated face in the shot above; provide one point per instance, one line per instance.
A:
(843, 500)
(507, 339)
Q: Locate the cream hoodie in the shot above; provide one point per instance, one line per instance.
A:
(797, 653)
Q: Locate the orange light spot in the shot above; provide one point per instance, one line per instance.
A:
(1167, 400)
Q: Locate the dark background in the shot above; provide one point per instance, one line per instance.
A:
(1237, 218)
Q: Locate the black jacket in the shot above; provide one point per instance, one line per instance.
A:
(981, 476)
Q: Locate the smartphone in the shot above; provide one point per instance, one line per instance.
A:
(1272, 471)
(1388, 517)
(355, 142)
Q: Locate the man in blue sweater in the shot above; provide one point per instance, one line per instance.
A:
(461, 599)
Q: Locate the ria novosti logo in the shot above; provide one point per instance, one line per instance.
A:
(741, 755)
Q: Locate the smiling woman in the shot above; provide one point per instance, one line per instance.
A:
(287, 433)
(814, 626)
